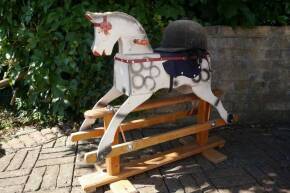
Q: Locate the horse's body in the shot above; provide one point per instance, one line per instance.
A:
(137, 80)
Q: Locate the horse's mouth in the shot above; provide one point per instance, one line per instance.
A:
(98, 54)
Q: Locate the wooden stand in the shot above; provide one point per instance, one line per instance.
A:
(116, 171)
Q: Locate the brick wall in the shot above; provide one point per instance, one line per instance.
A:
(252, 66)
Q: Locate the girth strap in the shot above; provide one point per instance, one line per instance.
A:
(170, 83)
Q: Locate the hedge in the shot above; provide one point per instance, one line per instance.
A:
(49, 41)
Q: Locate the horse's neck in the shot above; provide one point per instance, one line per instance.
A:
(127, 45)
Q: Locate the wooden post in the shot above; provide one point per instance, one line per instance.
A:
(203, 115)
(113, 163)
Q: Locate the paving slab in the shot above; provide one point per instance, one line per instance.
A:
(12, 189)
(55, 161)
(13, 181)
(65, 175)
(15, 173)
(50, 177)
(5, 161)
(31, 158)
(17, 160)
(35, 179)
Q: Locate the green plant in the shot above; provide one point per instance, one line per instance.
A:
(49, 41)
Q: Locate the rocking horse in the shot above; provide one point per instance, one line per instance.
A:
(181, 63)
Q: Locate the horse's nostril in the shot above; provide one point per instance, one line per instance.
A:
(96, 53)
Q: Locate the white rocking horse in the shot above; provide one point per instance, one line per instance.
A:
(138, 71)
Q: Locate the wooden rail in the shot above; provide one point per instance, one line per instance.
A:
(92, 181)
(142, 143)
(133, 124)
(157, 103)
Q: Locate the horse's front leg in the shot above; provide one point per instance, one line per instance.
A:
(111, 95)
(129, 105)
(203, 91)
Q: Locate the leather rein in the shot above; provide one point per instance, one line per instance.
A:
(162, 58)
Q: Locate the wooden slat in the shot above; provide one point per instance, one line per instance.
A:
(97, 113)
(91, 181)
(170, 101)
(157, 103)
(83, 135)
(214, 156)
(123, 186)
(134, 124)
(135, 145)
(147, 122)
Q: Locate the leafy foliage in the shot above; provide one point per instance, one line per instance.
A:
(49, 41)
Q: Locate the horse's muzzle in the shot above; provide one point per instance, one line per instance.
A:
(98, 54)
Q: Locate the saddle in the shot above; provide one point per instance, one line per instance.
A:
(183, 63)
(187, 40)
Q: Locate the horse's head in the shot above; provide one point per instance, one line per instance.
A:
(105, 37)
(111, 27)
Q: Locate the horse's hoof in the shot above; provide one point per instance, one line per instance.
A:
(102, 153)
(230, 118)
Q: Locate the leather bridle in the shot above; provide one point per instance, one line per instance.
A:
(105, 25)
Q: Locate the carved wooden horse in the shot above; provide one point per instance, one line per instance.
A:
(138, 71)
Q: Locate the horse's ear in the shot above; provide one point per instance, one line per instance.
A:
(89, 15)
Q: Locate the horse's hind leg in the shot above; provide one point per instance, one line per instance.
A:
(203, 91)
(111, 95)
(129, 105)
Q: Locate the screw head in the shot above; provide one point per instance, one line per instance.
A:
(130, 147)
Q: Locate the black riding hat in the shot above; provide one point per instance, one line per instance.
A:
(182, 35)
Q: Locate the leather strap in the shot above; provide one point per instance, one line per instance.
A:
(170, 83)
(142, 42)
(132, 61)
(104, 25)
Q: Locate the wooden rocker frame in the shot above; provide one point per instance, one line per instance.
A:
(116, 171)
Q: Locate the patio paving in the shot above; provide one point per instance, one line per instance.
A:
(47, 162)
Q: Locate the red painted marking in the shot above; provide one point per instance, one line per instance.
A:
(88, 17)
(104, 25)
(96, 53)
(142, 42)
(132, 61)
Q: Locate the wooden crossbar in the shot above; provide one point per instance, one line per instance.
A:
(147, 122)
(133, 124)
(157, 103)
(92, 181)
(83, 135)
(142, 143)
